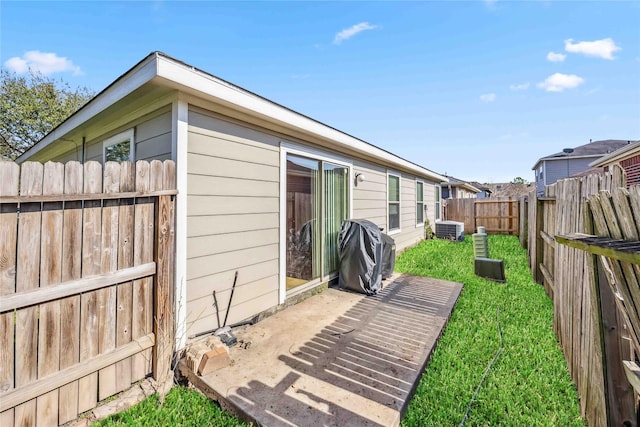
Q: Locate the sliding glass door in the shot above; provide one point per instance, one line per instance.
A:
(336, 210)
(317, 195)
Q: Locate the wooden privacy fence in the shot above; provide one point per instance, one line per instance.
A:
(498, 216)
(86, 274)
(591, 296)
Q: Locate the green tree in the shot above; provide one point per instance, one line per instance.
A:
(31, 106)
(519, 180)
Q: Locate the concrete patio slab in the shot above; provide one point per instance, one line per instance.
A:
(337, 358)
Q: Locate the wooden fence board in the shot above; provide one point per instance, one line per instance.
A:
(50, 274)
(125, 259)
(70, 306)
(91, 259)
(9, 179)
(143, 252)
(106, 297)
(27, 272)
(164, 324)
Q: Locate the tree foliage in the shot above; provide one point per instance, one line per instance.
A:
(31, 106)
(519, 180)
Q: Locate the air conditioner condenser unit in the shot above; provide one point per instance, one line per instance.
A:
(452, 230)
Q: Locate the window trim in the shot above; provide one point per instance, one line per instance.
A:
(438, 202)
(118, 138)
(421, 203)
(399, 202)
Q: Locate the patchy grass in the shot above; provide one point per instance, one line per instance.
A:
(181, 407)
(529, 383)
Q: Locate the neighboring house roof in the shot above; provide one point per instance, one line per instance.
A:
(510, 189)
(455, 182)
(161, 73)
(628, 150)
(595, 149)
(481, 187)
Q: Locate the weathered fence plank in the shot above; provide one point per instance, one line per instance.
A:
(106, 297)
(163, 325)
(50, 274)
(125, 260)
(9, 179)
(91, 257)
(27, 277)
(70, 306)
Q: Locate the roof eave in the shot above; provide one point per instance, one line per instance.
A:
(171, 72)
(616, 155)
(138, 75)
(228, 94)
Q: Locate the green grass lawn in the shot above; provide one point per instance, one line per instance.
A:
(529, 384)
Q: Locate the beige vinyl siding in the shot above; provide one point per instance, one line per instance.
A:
(370, 202)
(370, 196)
(153, 138)
(152, 135)
(232, 220)
(429, 202)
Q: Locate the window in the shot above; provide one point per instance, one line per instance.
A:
(119, 148)
(393, 193)
(419, 203)
(438, 194)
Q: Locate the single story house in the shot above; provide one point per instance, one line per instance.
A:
(485, 191)
(628, 157)
(454, 188)
(262, 189)
(571, 161)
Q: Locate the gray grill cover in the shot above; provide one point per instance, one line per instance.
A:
(360, 252)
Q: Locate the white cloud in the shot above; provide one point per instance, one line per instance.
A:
(599, 48)
(522, 86)
(555, 57)
(488, 97)
(347, 33)
(43, 62)
(558, 82)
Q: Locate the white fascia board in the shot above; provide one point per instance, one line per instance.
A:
(234, 97)
(617, 155)
(131, 81)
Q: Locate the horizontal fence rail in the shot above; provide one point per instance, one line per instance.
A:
(86, 276)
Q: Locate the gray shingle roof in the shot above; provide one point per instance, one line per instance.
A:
(592, 149)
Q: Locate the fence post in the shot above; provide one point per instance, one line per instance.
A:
(163, 305)
(539, 241)
(523, 221)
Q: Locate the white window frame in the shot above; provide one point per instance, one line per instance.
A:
(421, 203)
(438, 202)
(127, 135)
(399, 202)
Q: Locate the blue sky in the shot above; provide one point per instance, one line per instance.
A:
(479, 89)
